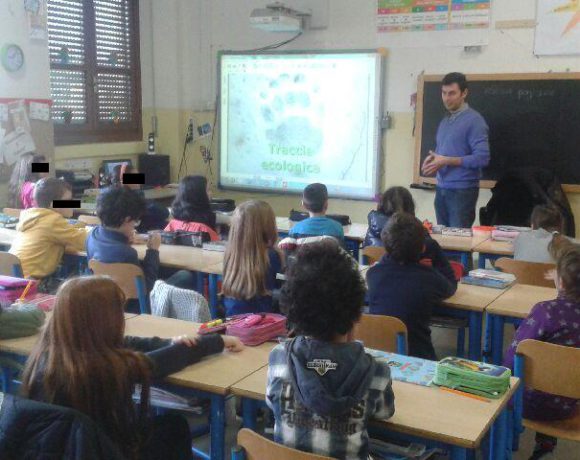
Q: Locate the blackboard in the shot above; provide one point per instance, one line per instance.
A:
(533, 119)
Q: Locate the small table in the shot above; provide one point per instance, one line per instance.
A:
(471, 301)
(457, 422)
(511, 307)
(459, 245)
(213, 375)
(492, 250)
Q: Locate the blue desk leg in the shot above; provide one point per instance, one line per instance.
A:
(496, 324)
(200, 281)
(238, 453)
(458, 453)
(475, 325)
(481, 260)
(498, 445)
(6, 379)
(213, 294)
(217, 428)
(250, 409)
(465, 260)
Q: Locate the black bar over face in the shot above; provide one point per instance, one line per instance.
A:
(133, 178)
(39, 167)
(66, 204)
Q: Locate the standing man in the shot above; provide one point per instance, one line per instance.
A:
(461, 152)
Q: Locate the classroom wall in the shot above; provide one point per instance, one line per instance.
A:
(180, 40)
(30, 82)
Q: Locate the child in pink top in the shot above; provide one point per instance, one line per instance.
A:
(27, 187)
(191, 209)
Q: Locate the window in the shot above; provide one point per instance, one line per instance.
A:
(95, 70)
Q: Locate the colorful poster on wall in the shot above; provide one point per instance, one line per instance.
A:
(558, 27)
(425, 15)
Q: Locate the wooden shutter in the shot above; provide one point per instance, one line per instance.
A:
(95, 77)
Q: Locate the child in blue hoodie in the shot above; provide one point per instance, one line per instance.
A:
(322, 386)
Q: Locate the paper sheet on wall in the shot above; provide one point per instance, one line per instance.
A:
(17, 111)
(2, 131)
(558, 28)
(37, 18)
(17, 143)
(429, 15)
(39, 111)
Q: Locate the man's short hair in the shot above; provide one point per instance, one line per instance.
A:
(547, 217)
(48, 190)
(404, 238)
(455, 77)
(315, 197)
(116, 204)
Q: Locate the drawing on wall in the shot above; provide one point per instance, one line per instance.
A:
(37, 18)
(558, 27)
(424, 15)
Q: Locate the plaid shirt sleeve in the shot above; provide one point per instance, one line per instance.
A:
(381, 391)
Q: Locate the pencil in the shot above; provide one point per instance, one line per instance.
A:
(26, 289)
(467, 395)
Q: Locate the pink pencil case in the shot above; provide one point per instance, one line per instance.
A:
(11, 288)
(255, 329)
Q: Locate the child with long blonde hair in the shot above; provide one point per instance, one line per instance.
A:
(83, 361)
(251, 260)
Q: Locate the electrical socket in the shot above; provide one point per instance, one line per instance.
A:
(189, 135)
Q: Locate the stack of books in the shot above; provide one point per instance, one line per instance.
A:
(489, 278)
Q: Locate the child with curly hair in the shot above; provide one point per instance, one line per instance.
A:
(322, 386)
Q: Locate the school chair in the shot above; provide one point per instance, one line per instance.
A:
(10, 265)
(128, 277)
(89, 220)
(372, 254)
(252, 446)
(382, 332)
(532, 273)
(553, 369)
(12, 212)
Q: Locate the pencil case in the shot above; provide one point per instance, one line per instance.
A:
(255, 329)
(183, 238)
(11, 288)
(474, 377)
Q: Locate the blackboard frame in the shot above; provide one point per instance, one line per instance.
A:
(423, 79)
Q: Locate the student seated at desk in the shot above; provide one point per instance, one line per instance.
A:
(120, 210)
(23, 180)
(532, 246)
(155, 215)
(83, 361)
(191, 209)
(554, 321)
(398, 285)
(322, 386)
(44, 232)
(251, 261)
(398, 199)
(315, 201)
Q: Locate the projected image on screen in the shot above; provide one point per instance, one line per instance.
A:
(289, 120)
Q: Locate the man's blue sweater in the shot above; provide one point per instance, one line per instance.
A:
(463, 134)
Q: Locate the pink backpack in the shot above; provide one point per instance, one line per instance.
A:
(255, 329)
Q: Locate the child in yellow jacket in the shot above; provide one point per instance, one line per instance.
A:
(44, 232)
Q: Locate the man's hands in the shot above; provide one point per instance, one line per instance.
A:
(434, 162)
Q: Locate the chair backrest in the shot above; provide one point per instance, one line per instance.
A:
(373, 253)
(381, 332)
(10, 265)
(89, 220)
(550, 368)
(12, 212)
(257, 447)
(532, 273)
(128, 277)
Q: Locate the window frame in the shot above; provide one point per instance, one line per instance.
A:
(93, 130)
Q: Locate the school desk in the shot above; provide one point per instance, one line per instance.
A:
(213, 375)
(451, 421)
(461, 246)
(492, 250)
(511, 307)
(21, 347)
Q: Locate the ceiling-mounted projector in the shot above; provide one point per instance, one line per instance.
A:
(278, 18)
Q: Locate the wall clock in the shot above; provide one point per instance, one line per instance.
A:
(12, 57)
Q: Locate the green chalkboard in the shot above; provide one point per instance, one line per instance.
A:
(534, 120)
